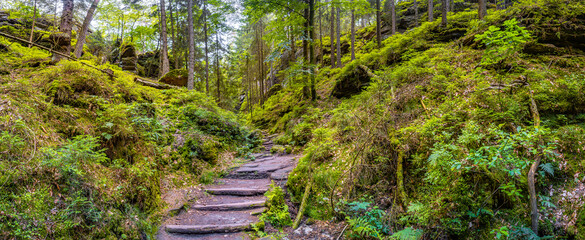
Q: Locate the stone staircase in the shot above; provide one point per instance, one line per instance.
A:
(233, 204)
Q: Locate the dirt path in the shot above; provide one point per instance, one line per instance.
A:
(233, 203)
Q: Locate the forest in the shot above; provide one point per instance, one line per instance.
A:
(292, 119)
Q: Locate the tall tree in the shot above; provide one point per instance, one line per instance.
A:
(191, 62)
(445, 9)
(415, 4)
(32, 29)
(206, 49)
(378, 23)
(352, 32)
(332, 35)
(164, 57)
(173, 30)
(482, 9)
(312, 61)
(83, 33)
(320, 32)
(65, 27)
(393, 13)
(338, 37)
(431, 10)
(218, 69)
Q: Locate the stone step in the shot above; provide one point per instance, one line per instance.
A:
(237, 191)
(230, 206)
(206, 229)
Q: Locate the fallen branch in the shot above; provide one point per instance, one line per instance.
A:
(109, 73)
(368, 71)
(533, 169)
(154, 84)
(297, 221)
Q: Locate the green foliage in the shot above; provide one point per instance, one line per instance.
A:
(277, 214)
(502, 44)
(408, 233)
(365, 221)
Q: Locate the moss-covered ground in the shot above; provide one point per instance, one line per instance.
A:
(439, 138)
(86, 156)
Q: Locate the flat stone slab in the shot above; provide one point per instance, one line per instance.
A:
(230, 206)
(237, 191)
(281, 174)
(201, 229)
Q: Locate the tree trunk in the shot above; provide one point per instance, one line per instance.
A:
(431, 9)
(164, 57)
(393, 13)
(312, 47)
(482, 9)
(191, 62)
(338, 37)
(533, 169)
(65, 27)
(378, 23)
(352, 33)
(320, 33)
(218, 72)
(262, 71)
(332, 36)
(293, 45)
(206, 50)
(32, 29)
(173, 29)
(83, 33)
(305, 40)
(415, 4)
(445, 9)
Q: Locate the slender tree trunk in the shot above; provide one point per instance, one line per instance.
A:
(218, 70)
(320, 34)
(482, 9)
(431, 9)
(312, 47)
(293, 45)
(378, 23)
(173, 35)
(84, 29)
(32, 29)
(445, 9)
(191, 61)
(262, 69)
(306, 31)
(206, 50)
(533, 169)
(415, 4)
(393, 13)
(338, 37)
(65, 27)
(249, 79)
(352, 33)
(332, 36)
(164, 57)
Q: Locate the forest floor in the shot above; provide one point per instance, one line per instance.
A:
(230, 206)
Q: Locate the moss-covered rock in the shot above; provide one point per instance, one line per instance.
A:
(351, 82)
(176, 77)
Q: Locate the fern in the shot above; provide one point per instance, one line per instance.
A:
(408, 234)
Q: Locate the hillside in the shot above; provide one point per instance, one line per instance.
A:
(85, 155)
(278, 119)
(439, 128)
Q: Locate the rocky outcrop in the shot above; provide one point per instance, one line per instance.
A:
(176, 77)
(128, 58)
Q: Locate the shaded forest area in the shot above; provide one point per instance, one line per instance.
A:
(438, 119)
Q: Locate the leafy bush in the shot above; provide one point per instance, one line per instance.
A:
(365, 221)
(277, 213)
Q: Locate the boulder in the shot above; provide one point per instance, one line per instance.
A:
(351, 83)
(176, 77)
